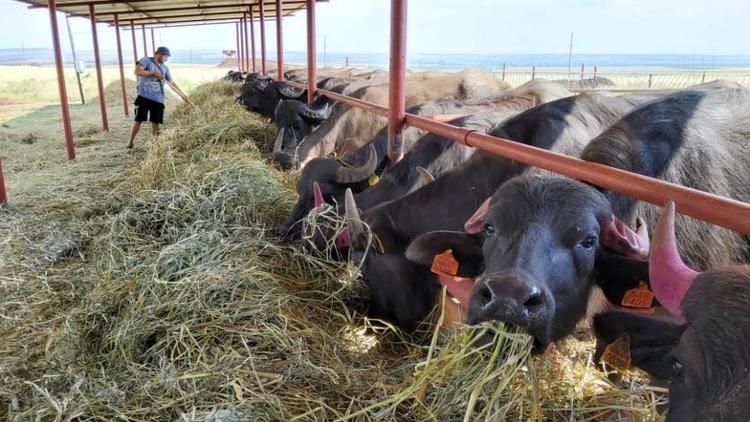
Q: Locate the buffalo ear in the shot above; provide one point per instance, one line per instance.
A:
(616, 274)
(467, 249)
(652, 338)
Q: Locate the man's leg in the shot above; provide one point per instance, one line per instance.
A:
(155, 128)
(133, 132)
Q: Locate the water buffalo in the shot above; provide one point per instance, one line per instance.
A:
(348, 128)
(701, 350)
(563, 125)
(427, 157)
(542, 232)
(262, 96)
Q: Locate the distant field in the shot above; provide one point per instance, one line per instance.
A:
(27, 88)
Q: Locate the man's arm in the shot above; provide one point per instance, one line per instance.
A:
(141, 71)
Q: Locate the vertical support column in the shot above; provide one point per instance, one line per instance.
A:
(145, 47)
(312, 78)
(503, 71)
(119, 62)
(242, 45)
(98, 61)
(247, 44)
(237, 33)
(135, 47)
(397, 81)
(279, 42)
(252, 38)
(153, 40)
(3, 196)
(68, 130)
(595, 80)
(582, 71)
(262, 38)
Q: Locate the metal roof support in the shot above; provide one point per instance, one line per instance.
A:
(122, 70)
(252, 38)
(3, 195)
(279, 43)
(153, 40)
(262, 39)
(86, 3)
(311, 59)
(241, 56)
(397, 81)
(61, 81)
(143, 33)
(237, 35)
(99, 77)
(135, 49)
(246, 50)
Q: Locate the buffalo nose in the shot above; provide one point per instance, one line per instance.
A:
(508, 299)
(282, 231)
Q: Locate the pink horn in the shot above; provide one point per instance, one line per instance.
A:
(669, 276)
(475, 223)
(318, 195)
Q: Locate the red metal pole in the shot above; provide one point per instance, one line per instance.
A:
(242, 45)
(237, 33)
(145, 47)
(312, 76)
(153, 40)
(279, 43)
(252, 37)
(119, 62)
(135, 49)
(262, 38)
(246, 51)
(99, 77)
(3, 196)
(397, 81)
(68, 130)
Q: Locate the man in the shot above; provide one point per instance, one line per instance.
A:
(151, 73)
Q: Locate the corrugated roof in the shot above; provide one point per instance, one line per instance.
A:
(161, 13)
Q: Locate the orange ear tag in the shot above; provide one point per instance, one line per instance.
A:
(372, 181)
(640, 298)
(445, 263)
(617, 353)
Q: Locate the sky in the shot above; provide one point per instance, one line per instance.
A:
(453, 26)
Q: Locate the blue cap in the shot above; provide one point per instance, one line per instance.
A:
(163, 50)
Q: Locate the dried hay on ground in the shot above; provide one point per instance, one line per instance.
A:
(170, 298)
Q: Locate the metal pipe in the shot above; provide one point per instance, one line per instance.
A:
(397, 81)
(725, 212)
(242, 45)
(312, 77)
(246, 50)
(237, 34)
(98, 62)
(279, 43)
(145, 47)
(120, 64)
(86, 3)
(262, 39)
(153, 40)
(252, 37)
(3, 195)
(68, 130)
(135, 49)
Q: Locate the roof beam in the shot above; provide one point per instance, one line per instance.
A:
(86, 3)
(224, 15)
(165, 24)
(109, 13)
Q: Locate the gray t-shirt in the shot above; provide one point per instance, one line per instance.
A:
(149, 86)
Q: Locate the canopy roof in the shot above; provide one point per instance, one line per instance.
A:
(164, 13)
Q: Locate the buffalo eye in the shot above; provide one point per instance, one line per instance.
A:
(588, 242)
(678, 372)
(489, 230)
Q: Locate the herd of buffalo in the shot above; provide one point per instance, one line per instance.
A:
(543, 250)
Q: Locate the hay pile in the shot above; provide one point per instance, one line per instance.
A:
(175, 301)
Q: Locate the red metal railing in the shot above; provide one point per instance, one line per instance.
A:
(729, 213)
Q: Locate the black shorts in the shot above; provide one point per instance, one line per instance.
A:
(148, 109)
